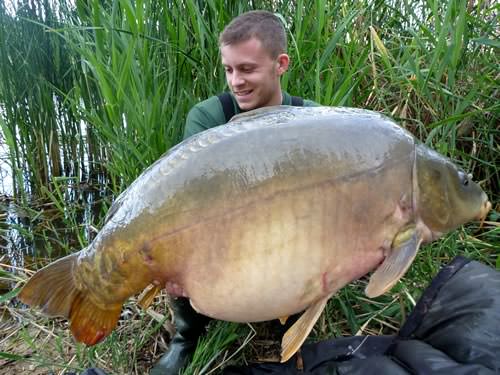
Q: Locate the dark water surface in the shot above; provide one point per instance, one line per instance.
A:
(34, 229)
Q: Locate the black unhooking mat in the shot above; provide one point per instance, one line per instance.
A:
(454, 329)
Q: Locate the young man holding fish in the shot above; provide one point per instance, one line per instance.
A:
(445, 333)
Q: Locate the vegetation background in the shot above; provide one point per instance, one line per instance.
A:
(92, 92)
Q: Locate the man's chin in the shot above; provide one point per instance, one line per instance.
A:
(246, 106)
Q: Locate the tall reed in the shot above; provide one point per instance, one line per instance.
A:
(35, 73)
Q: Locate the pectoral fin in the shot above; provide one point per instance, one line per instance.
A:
(297, 334)
(147, 298)
(403, 250)
(283, 320)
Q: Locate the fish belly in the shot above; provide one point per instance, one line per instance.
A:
(257, 221)
(281, 252)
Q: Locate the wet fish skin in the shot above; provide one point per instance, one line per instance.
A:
(262, 218)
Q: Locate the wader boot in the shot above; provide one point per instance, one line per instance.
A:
(189, 327)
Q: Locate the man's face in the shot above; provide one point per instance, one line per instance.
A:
(252, 75)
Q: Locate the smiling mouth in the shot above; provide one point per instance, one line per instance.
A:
(243, 93)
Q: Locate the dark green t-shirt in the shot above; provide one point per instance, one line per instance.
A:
(209, 113)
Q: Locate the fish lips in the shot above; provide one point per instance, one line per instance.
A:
(483, 212)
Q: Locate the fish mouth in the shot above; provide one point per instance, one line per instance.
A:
(486, 207)
(483, 212)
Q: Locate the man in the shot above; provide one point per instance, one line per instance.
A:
(253, 51)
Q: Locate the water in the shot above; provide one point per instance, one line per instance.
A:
(49, 230)
(50, 227)
(5, 170)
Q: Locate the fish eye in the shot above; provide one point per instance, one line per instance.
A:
(464, 178)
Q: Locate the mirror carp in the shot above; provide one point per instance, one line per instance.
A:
(264, 217)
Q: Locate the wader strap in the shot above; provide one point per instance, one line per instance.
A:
(227, 105)
(297, 101)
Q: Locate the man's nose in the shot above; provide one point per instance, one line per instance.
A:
(237, 79)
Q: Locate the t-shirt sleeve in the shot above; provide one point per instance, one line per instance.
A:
(194, 122)
(203, 116)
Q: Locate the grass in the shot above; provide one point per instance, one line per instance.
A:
(96, 93)
(33, 342)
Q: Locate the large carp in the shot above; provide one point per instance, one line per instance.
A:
(262, 218)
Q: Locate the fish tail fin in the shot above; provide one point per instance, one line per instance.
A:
(54, 291)
(90, 322)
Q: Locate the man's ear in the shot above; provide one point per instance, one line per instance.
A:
(283, 62)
